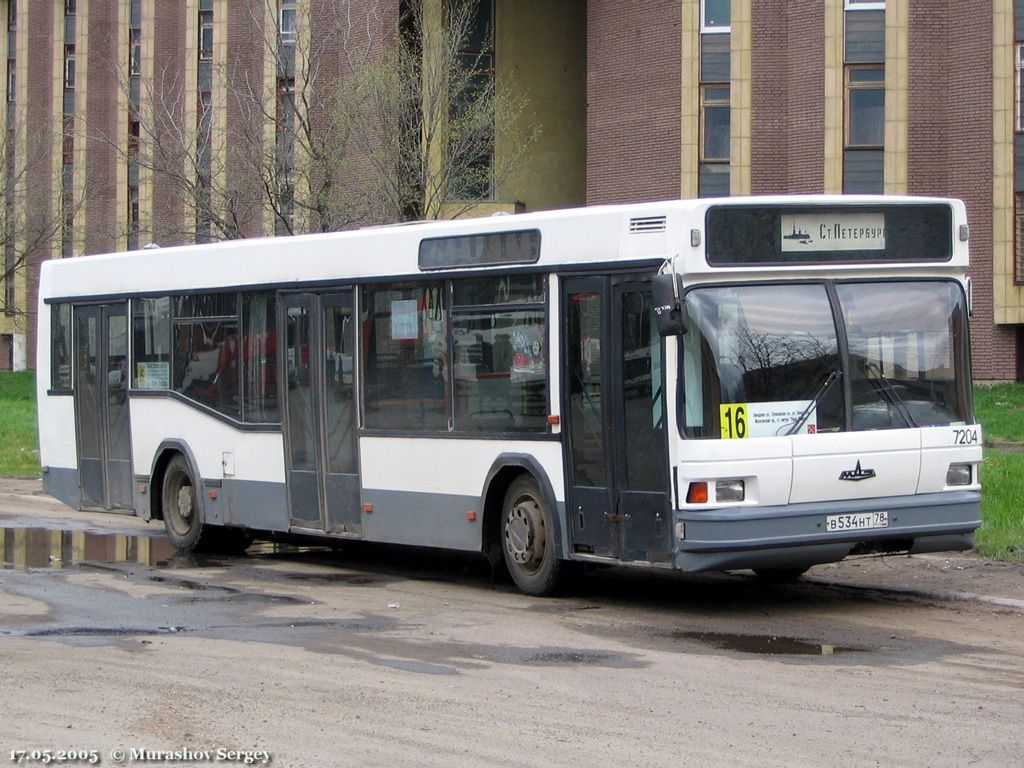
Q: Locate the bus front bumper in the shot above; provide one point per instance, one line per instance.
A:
(796, 536)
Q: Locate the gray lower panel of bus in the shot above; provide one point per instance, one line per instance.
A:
(794, 536)
(62, 484)
(250, 503)
(427, 519)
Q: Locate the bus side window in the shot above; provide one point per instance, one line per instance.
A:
(151, 343)
(60, 349)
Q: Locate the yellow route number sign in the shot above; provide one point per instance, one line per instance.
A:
(733, 417)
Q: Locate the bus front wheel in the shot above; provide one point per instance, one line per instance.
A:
(183, 517)
(528, 538)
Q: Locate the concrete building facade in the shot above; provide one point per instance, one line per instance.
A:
(647, 100)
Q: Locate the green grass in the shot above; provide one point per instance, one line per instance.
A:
(1000, 409)
(1002, 506)
(19, 440)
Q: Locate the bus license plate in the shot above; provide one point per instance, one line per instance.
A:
(859, 522)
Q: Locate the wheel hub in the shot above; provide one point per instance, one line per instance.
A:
(185, 502)
(524, 533)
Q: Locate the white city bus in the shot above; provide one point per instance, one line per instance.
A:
(765, 383)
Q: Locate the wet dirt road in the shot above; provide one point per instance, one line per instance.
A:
(377, 656)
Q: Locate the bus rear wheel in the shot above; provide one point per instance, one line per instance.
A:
(183, 516)
(528, 538)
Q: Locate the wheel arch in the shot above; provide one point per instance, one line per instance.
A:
(504, 470)
(166, 451)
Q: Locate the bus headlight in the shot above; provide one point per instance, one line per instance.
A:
(958, 474)
(729, 491)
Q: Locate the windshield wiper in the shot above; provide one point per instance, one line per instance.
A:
(826, 385)
(889, 391)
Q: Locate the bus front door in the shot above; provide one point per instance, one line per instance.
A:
(320, 412)
(614, 412)
(101, 406)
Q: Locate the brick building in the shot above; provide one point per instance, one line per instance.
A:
(629, 101)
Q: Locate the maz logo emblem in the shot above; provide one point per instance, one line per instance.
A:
(857, 473)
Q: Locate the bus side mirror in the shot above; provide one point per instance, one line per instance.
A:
(669, 312)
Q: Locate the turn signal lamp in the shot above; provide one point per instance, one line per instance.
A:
(697, 493)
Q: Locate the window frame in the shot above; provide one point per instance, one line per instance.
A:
(1018, 90)
(69, 67)
(850, 86)
(863, 5)
(69, 335)
(1018, 238)
(287, 36)
(135, 52)
(705, 104)
(711, 29)
(205, 25)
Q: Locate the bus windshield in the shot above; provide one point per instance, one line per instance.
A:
(773, 360)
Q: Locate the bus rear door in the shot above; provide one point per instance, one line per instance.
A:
(101, 406)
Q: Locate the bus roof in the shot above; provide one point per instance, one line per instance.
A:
(611, 234)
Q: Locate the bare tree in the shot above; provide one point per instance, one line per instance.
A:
(35, 208)
(366, 118)
(427, 110)
(308, 175)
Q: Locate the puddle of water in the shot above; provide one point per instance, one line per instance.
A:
(102, 631)
(567, 657)
(24, 548)
(349, 579)
(766, 645)
(420, 667)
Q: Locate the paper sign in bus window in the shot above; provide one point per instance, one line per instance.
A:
(404, 320)
(740, 420)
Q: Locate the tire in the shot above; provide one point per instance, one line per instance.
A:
(528, 539)
(780, 575)
(183, 514)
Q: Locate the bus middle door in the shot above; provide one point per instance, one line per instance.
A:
(320, 412)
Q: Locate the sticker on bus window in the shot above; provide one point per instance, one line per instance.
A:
(153, 375)
(741, 420)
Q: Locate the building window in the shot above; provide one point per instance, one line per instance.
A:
(715, 129)
(714, 15)
(865, 107)
(69, 7)
(1018, 232)
(205, 35)
(1020, 87)
(1018, 146)
(69, 67)
(477, 59)
(864, 156)
(287, 21)
(135, 53)
(864, 5)
(715, 123)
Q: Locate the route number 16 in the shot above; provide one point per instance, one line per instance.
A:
(734, 420)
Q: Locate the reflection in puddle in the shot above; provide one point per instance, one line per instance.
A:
(766, 645)
(47, 548)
